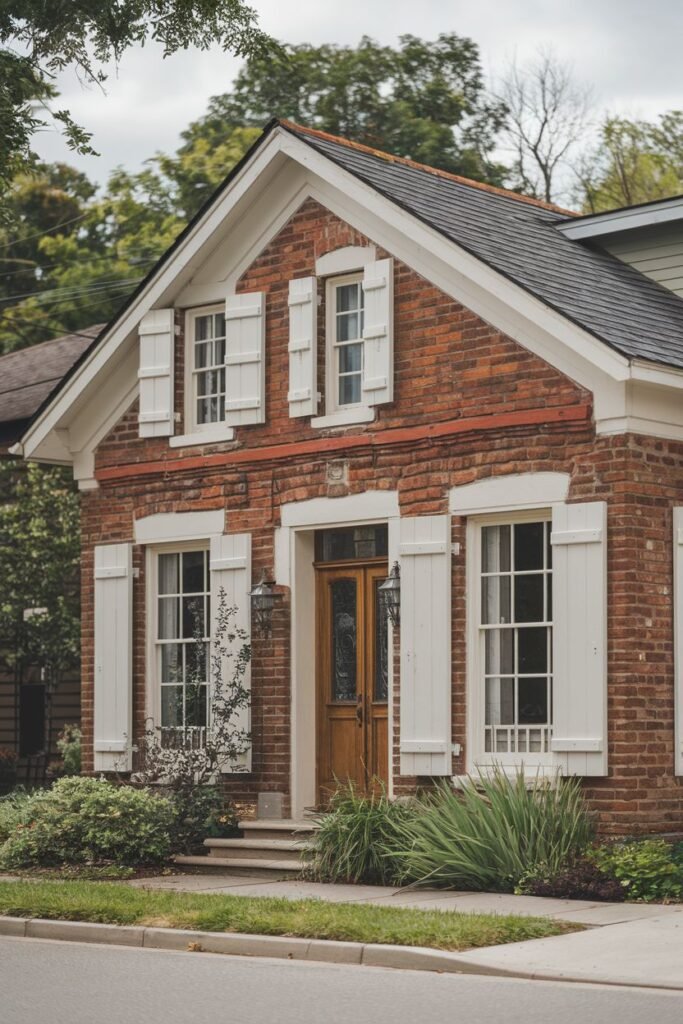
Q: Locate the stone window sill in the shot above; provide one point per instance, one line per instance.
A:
(202, 437)
(345, 417)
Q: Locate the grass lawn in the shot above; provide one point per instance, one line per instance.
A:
(109, 903)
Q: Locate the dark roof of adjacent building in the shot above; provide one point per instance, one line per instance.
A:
(29, 375)
(518, 237)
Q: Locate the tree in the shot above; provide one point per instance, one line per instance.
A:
(634, 162)
(423, 100)
(38, 40)
(547, 116)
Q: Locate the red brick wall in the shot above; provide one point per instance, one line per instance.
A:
(449, 364)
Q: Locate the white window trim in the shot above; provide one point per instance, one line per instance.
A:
(179, 527)
(339, 415)
(345, 260)
(153, 682)
(478, 761)
(197, 433)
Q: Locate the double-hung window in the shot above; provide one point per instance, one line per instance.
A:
(182, 639)
(514, 640)
(207, 367)
(344, 357)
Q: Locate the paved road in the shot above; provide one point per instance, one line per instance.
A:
(73, 983)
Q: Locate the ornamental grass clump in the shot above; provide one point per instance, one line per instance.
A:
(358, 839)
(494, 831)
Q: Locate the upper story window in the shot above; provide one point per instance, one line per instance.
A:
(207, 358)
(344, 348)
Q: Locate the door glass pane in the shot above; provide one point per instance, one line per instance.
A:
(381, 687)
(344, 633)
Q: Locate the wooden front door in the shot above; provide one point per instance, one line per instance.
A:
(352, 676)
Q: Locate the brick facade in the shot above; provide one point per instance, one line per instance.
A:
(469, 403)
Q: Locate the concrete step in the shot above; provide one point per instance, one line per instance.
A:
(256, 849)
(276, 829)
(253, 867)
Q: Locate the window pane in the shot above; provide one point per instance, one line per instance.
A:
(202, 355)
(171, 663)
(196, 663)
(532, 646)
(500, 702)
(193, 616)
(500, 652)
(204, 410)
(349, 326)
(495, 600)
(171, 706)
(533, 701)
(203, 328)
(168, 618)
(350, 359)
(348, 297)
(343, 594)
(349, 390)
(495, 549)
(219, 352)
(529, 598)
(529, 543)
(168, 574)
(219, 325)
(193, 572)
(195, 706)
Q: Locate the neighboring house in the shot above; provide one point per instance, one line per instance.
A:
(30, 718)
(346, 360)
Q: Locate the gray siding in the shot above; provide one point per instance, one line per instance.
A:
(656, 252)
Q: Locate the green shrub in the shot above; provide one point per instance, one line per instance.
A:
(200, 812)
(647, 869)
(358, 839)
(84, 821)
(582, 880)
(69, 746)
(494, 831)
(10, 810)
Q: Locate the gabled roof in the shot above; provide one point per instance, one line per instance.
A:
(519, 238)
(28, 376)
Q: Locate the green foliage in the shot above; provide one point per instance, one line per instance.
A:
(38, 40)
(69, 746)
(200, 812)
(357, 838)
(85, 820)
(39, 567)
(423, 99)
(261, 915)
(10, 812)
(580, 880)
(494, 831)
(648, 869)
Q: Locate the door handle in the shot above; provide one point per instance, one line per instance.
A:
(359, 710)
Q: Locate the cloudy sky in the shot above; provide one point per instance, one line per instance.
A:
(629, 51)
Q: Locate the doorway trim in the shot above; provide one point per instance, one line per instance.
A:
(294, 557)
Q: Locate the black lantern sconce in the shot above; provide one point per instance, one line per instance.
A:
(390, 595)
(263, 598)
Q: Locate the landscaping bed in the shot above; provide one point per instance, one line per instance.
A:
(108, 903)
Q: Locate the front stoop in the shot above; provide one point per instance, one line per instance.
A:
(267, 848)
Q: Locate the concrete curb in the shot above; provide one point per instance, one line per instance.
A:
(407, 958)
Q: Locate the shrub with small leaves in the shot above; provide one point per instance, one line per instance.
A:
(85, 821)
(201, 812)
(581, 880)
(647, 869)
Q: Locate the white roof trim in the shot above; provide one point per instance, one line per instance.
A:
(628, 219)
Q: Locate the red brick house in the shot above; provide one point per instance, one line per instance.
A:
(348, 360)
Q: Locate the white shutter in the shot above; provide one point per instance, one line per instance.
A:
(113, 695)
(579, 540)
(303, 362)
(230, 566)
(245, 344)
(157, 337)
(378, 332)
(425, 708)
(678, 640)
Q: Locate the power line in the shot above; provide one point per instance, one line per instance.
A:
(76, 263)
(72, 292)
(40, 234)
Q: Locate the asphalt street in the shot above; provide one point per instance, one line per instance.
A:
(74, 983)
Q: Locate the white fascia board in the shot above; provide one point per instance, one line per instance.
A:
(655, 373)
(623, 220)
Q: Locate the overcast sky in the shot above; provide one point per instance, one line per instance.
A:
(628, 50)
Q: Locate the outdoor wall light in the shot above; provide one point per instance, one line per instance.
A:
(390, 595)
(263, 598)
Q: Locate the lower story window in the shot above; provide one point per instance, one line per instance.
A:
(515, 637)
(182, 640)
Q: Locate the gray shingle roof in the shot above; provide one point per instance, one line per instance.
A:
(609, 299)
(29, 375)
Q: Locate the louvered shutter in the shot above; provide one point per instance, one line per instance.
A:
(155, 373)
(303, 312)
(678, 639)
(378, 332)
(230, 567)
(245, 343)
(425, 708)
(579, 543)
(113, 689)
